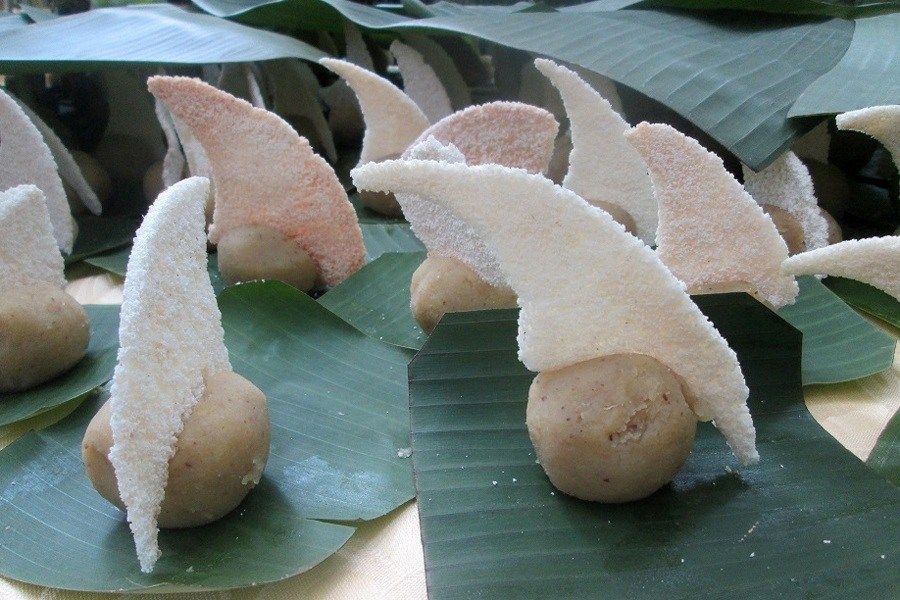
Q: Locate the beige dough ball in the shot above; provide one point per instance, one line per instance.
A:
(788, 227)
(153, 181)
(835, 234)
(559, 162)
(219, 457)
(382, 203)
(619, 214)
(611, 429)
(441, 285)
(257, 252)
(43, 333)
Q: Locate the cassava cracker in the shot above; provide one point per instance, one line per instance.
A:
(28, 250)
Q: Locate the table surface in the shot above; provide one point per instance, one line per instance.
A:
(384, 559)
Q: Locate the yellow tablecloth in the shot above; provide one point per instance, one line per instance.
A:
(383, 560)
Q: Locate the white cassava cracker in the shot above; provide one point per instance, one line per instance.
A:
(587, 288)
(787, 184)
(171, 339)
(28, 250)
(68, 169)
(506, 133)
(875, 261)
(239, 80)
(294, 89)
(880, 122)
(194, 154)
(266, 174)
(442, 63)
(392, 119)
(711, 231)
(421, 83)
(25, 158)
(344, 116)
(173, 161)
(439, 229)
(602, 164)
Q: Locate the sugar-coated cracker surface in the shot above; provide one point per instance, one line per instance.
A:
(710, 229)
(266, 174)
(421, 83)
(880, 122)
(602, 165)
(239, 79)
(294, 88)
(392, 119)
(506, 133)
(875, 261)
(445, 67)
(25, 158)
(587, 288)
(174, 160)
(605, 86)
(194, 154)
(787, 184)
(442, 232)
(28, 250)
(68, 169)
(171, 338)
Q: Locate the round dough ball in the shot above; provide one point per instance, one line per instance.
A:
(788, 227)
(382, 203)
(257, 252)
(611, 429)
(442, 284)
(619, 214)
(43, 333)
(559, 162)
(153, 181)
(219, 456)
(835, 234)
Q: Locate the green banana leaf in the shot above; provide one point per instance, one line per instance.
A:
(95, 369)
(867, 75)
(153, 33)
(375, 300)
(885, 456)
(97, 235)
(866, 298)
(827, 8)
(294, 15)
(838, 344)
(367, 215)
(338, 406)
(389, 237)
(810, 520)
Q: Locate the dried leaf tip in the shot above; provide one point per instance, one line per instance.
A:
(254, 153)
(592, 311)
(875, 261)
(392, 119)
(26, 158)
(28, 250)
(711, 231)
(603, 166)
(171, 338)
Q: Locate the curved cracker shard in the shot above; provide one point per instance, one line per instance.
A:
(602, 164)
(875, 261)
(28, 250)
(880, 122)
(239, 80)
(443, 64)
(174, 160)
(171, 339)
(787, 184)
(69, 171)
(392, 119)
(25, 158)
(439, 229)
(592, 310)
(711, 231)
(355, 49)
(194, 154)
(293, 87)
(421, 83)
(266, 174)
(511, 134)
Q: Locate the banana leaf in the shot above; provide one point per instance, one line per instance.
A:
(95, 369)
(375, 300)
(838, 344)
(867, 75)
(810, 520)
(866, 298)
(829, 8)
(130, 35)
(97, 235)
(294, 15)
(116, 263)
(389, 237)
(885, 456)
(338, 407)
